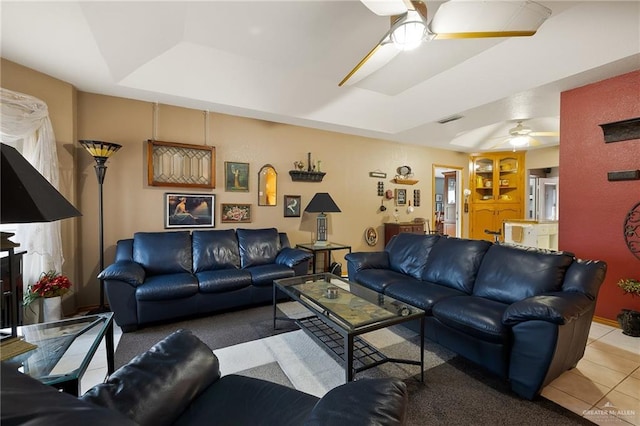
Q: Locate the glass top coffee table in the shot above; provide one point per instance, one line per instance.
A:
(65, 349)
(343, 310)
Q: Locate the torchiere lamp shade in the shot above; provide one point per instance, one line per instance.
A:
(27, 197)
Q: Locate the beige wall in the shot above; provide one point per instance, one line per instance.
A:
(130, 205)
(543, 158)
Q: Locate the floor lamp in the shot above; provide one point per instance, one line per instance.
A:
(25, 197)
(100, 151)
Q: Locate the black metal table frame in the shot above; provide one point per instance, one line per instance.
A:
(327, 248)
(72, 386)
(349, 338)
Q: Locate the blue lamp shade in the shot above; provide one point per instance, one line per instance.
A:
(322, 203)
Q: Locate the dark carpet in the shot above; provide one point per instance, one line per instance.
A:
(456, 392)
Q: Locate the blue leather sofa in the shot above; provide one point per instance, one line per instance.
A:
(178, 382)
(165, 275)
(522, 313)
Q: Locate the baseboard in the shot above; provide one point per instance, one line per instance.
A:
(606, 321)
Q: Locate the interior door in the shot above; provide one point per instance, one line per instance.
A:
(547, 199)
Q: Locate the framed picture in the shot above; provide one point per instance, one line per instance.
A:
(189, 210)
(236, 177)
(292, 205)
(181, 165)
(438, 197)
(401, 197)
(235, 213)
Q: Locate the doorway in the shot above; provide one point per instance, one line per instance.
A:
(447, 201)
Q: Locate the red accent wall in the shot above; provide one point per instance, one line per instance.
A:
(592, 209)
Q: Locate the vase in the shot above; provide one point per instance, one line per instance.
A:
(31, 312)
(52, 308)
(629, 322)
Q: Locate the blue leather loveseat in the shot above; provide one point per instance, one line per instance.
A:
(522, 313)
(165, 275)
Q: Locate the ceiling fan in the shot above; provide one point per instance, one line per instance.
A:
(454, 19)
(521, 136)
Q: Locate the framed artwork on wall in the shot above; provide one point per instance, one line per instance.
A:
(236, 176)
(292, 205)
(181, 165)
(401, 197)
(189, 210)
(235, 213)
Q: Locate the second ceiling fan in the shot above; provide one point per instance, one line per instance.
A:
(454, 19)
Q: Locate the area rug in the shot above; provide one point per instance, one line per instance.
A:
(454, 392)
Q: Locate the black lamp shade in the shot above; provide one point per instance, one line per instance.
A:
(27, 196)
(322, 203)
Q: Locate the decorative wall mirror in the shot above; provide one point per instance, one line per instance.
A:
(267, 186)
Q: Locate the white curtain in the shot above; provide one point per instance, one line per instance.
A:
(26, 118)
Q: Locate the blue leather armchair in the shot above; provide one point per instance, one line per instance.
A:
(165, 275)
(522, 313)
(178, 382)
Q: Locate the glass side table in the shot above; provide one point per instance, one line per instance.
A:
(64, 349)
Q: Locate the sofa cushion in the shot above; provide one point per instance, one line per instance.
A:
(163, 252)
(223, 280)
(421, 294)
(454, 262)
(408, 253)
(238, 400)
(508, 274)
(258, 246)
(379, 279)
(264, 275)
(217, 249)
(155, 387)
(167, 287)
(475, 316)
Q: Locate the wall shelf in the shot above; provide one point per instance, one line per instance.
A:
(302, 176)
(405, 181)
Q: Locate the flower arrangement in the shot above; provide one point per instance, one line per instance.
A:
(50, 284)
(630, 286)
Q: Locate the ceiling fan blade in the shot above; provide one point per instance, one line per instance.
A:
(378, 57)
(545, 134)
(480, 19)
(386, 7)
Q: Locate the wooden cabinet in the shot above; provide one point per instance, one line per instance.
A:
(391, 229)
(497, 183)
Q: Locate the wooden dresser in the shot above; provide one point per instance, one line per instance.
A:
(393, 228)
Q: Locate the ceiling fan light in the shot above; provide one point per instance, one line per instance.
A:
(519, 141)
(409, 32)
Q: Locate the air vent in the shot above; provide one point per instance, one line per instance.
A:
(449, 119)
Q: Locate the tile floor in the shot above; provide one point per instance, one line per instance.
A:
(604, 387)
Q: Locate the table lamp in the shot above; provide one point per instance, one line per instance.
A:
(322, 203)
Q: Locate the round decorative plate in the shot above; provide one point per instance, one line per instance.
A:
(404, 170)
(371, 236)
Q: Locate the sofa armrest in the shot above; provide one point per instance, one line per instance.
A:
(367, 260)
(291, 257)
(558, 308)
(157, 386)
(367, 401)
(124, 270)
